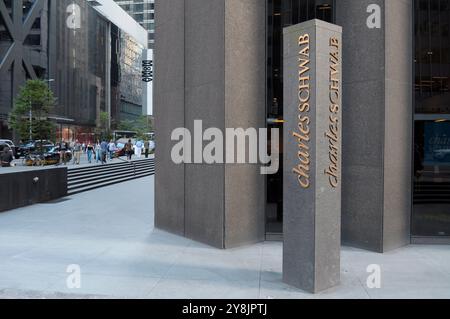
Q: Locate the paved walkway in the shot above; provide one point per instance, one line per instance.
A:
(109, 234)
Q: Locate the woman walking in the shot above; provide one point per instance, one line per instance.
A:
(90, 151)
(98, 151)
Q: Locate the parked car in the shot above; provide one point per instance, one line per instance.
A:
(33, 146)
(3, 146)
(121, 150)
(10, 144)
(51, 157)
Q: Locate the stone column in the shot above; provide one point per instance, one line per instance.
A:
(377, 117)
(312, 155)
(209, 66)
(169, 109)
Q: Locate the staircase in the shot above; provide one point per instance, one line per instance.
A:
(88, 178)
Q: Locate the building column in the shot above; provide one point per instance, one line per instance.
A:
(377, 124)
(209, 66)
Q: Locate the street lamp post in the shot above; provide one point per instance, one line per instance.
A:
(31, 119)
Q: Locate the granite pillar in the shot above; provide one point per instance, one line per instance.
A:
(209, 66)
(377, 118)
(312, 155)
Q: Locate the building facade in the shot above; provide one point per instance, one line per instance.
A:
(143, 11)
(396, 121)
(91, 60)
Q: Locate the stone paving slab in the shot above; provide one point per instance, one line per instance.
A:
(109, 233)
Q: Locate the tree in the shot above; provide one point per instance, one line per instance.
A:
(142, 125)
(31, 109)
(105, 130)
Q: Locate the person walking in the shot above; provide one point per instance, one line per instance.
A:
(152, 146)
(138, 148)
(6, 157)
(98, 151)
(63, 148)
(147, 148)
(129, 149)
(103, 151)
(89, 151)
(77, 149)
(111, 149)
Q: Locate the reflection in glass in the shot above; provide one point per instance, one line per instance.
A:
(283, 13)
(432, 179)
(431, 212)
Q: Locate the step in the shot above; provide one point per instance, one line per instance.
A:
(103, 166)
(72, 184)
(104, 184)
(115, 171)
(120, 174)
(71, 171)
(109, 170)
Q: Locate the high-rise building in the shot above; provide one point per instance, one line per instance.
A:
(224, 65)
(143, 11)
(90, 52)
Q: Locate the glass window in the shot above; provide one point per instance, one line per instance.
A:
(431, 209)
(283, 13)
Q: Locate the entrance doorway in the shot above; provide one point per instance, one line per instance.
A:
(431, 209)
(281, 14)
(431, 174)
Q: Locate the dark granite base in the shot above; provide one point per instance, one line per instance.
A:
(23, 188)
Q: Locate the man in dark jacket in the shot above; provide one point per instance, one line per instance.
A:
(6, 157)
(63, 148)
(104, 151)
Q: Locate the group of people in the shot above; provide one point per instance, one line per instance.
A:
(102, 150)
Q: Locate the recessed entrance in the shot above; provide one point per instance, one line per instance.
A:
(281, 14)
(431, 176)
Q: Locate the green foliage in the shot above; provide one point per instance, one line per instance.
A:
(35, 94)
(142, 125)
(104, 129)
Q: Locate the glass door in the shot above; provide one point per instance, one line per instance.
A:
(280, 14)
(431, 197)
(431, 213)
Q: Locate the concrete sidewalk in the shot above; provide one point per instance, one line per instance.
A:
(109, 234)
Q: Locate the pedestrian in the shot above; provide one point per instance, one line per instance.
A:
(6, 157)
(98, 151)
(63, 148)
(152, 146)
(111, 149)
(89, 151)
(77, 149)
(138, 148)
(129, 149)
(147, 148)
(103, 151)
(83, 146)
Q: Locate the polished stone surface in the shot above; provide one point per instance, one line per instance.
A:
(20, 187)
(312, 215)
(377, 117)
(169, 97)
(122, 255)
(214, 52)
